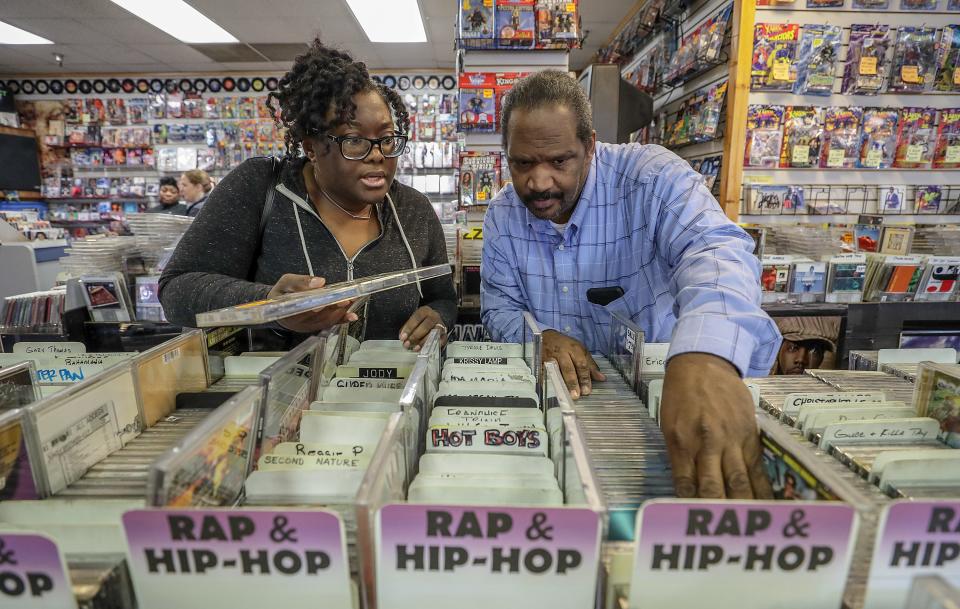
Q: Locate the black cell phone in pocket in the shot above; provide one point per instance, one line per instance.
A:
(604, 296)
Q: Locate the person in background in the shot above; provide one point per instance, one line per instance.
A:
(195, 185)
(806, 340)
(587, 229)
(169, 199)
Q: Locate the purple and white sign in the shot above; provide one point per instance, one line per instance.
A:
(32, 573)
(744, 554)
(914, 538)
(486, 557)
(190, 558)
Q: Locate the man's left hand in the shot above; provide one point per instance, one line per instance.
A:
(418, 327)
(710, 427)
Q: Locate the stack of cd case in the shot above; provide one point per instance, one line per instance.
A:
(273, 309)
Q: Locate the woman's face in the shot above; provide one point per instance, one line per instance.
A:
(363, 182)
(190, 192)
(169, 194)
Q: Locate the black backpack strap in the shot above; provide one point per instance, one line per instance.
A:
(276, 169)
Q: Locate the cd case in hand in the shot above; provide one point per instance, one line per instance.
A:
(266, 311)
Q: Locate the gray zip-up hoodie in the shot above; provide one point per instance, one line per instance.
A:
(220, 261)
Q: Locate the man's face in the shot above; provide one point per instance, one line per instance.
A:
(795, 357)
(169, 194)
(548, 162)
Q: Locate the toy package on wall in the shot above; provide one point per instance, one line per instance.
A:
(871, 4)
(557, 22)
(819, 50)
(710, 170)
(947, 152)
(919, 5)
(879, 138)
(865, 69)
(824, 3)
(948, 60)
(516, 23)
(710, 113)
(476, 19)
(802, 131)
(479, 177)
(713, 36)
(914, 59)
(840, 148)
(891, 198)
(928, 199)
(775, 200)
(478, 102)
(764, 135)
(774, 53)
(915, 138)
(116, 111)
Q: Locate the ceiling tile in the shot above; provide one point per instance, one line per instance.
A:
(59, 8)
(110, 53)
(129, 30)
(173, 53)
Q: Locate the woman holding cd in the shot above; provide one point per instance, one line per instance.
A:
(329, 212)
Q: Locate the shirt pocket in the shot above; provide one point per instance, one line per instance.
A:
(601, 315)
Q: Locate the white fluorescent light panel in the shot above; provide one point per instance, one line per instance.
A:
(389, 20)
(14, 35)
(178, 19)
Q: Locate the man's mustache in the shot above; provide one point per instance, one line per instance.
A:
(543, 196)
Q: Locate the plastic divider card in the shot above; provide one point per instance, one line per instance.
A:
(222, 559)
(176, 366)
(486, 557)
(414, 402)
(265, 311)
(937, 395)
(222, 343)
(626, 348)
(533, 350)
(18, 469)
(691, 552)
(65, 368)
(385, 481)
(17, 388)
(915, 356)
(933, 592)
(80, 426)
(915, 538)
(209, 465)
(289, 386)
(34, 573)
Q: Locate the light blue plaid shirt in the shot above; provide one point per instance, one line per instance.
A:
(646, 223)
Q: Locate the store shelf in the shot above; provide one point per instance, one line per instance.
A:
(513, 61)
(866, 177)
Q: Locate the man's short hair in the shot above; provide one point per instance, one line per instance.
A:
(168, 181)
(549, 88)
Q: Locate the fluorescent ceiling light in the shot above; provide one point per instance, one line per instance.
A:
(14, 35)
(178, 19)
(390, 20)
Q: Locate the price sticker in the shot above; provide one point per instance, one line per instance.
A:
(910, 74)
(953, 154)
(868, 66)
(801, 154)
(488, 93)
(915, 153)
(781, 70)
(571, 7)
(874, 158)
(836, 157)
(956, 76)
(488, 3)
(466, 5)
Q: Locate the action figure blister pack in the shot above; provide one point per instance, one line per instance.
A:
(819, 50)
(478, 102)
(476, 19)
(764, 136)
(774, 54)
(927, 199)
(871, 4)
(914, 59)
(879, 138)
(712, 37)
(840, 148)
(947, 152)
(915, 138)
(557, 22)
(710, 113)
(802, 131)
(948, 60)
(824, 3)
(953, 5)
(516, 23)
(866, 59)
(919, 5)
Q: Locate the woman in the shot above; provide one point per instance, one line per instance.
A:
(337, 214)
(194, 186)
(169, 198)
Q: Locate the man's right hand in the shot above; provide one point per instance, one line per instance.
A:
(575, 362)
(311, 321)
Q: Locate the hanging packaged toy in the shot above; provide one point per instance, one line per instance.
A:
(802, 130)
(557, 22)
(824, 3)
(477, 102)
(841, 138)
(871, 4)
(710, 112)
(879, 138)
(919, 5)
(516, 23)
(819, 49)
(764, 136)
(711, 39)
(914, 59)
(866, 59)
(476, 19)
(774, 53)
(953, 5)
(948, 60)
(947, 152)
(915, 138)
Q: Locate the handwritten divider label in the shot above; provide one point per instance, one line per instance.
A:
(49, 348)
(32, 573)
(211, 558)
(914, 429)
(793, 401)
(744, 554)
(914, 538)
(654, 358)
(484, 557)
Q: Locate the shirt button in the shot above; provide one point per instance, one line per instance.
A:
(566, 329)
(565, 289)
(560, 247)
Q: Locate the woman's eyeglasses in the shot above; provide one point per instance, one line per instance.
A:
(356, 148)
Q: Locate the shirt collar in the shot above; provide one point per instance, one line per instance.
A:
(579, 213)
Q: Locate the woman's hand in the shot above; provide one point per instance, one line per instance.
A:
(311, 321)
(418, 327)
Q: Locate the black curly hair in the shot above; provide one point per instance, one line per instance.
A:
(320, 79)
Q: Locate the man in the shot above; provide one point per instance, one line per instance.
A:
(805, 342)
(637, 221)
(169, 199)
